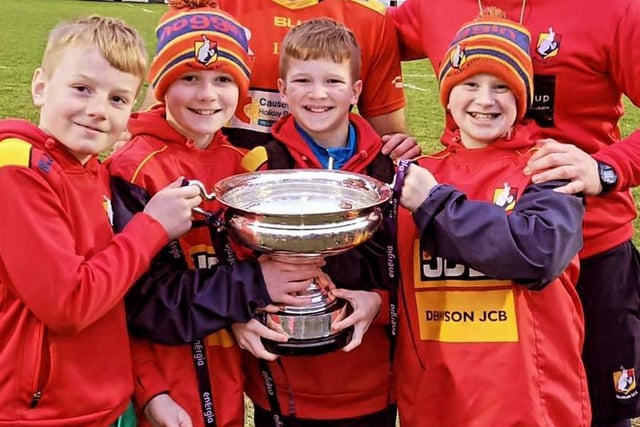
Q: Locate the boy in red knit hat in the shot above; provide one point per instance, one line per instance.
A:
(492, 330)
(64, 348)
(201, 68)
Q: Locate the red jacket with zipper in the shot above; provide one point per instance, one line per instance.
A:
(64, 349)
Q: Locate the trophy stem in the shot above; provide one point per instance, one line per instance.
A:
(309, 332)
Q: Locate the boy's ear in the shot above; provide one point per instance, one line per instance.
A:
(282, 88)
(357, 90)
(38, 87)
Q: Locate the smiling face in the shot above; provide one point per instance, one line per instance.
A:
(319, 93)
(84, 101)
(199, 103)
(484, 108)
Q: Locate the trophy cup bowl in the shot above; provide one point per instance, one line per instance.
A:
(297, 216)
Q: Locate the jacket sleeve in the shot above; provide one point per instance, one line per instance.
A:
(148, 379)
(174, 304)
(532, 245)
(39, 261)
(406, 18)
(624, 69)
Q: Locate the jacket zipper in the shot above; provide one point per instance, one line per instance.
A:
(39, 373)
(35, 399)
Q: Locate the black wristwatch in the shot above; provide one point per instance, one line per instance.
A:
(608, 177)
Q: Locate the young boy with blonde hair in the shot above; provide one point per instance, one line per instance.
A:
(491, 329)
(187, 366)
(319, 81)
(64, 347)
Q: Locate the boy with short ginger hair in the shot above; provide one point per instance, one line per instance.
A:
(319, 69)
(65, 351)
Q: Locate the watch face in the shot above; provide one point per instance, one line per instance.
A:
(609, 176)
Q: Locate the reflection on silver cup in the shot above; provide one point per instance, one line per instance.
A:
(297, 216)
(309, 327)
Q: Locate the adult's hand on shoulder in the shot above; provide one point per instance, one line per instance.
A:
(399, 146)
(557, 161)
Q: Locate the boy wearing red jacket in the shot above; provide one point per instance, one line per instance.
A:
(491, 327)
(64, 347)
(319, 81)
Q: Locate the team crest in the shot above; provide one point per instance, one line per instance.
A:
(624, 382)
(548, 44)
(458, 57)
(108, 208)
(206, 51)
(505, 197)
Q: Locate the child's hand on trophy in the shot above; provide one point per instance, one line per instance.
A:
(365, 305)
(248, 336)
(325, 285)
(285, 280)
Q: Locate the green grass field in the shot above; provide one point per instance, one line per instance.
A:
(26, 23)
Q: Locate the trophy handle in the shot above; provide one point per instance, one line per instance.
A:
(203, 193)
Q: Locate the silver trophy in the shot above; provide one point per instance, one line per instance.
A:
(297, 216)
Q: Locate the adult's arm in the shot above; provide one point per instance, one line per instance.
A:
(624, 69)
(406, 19)
(382, 100)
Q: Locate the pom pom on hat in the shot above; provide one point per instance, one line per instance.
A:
(196, 35)
(490, 44)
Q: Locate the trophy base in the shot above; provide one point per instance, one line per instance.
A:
(309, 347)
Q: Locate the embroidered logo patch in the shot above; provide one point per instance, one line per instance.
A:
(548, 44)
(44, 164)
(458, 57)
(505, 197)
(624, 383)
(206, 51)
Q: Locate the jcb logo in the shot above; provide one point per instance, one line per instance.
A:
(441, 269)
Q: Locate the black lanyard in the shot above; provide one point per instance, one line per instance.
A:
(199, 352)
(272, 393)
(393, 271)
(199, 347)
